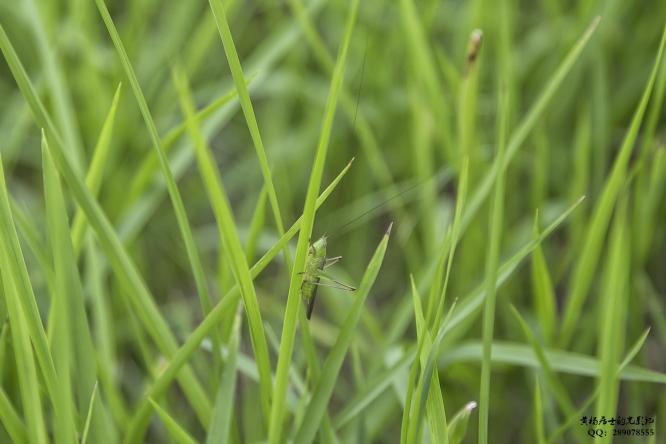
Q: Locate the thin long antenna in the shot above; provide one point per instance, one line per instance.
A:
(360, 83)
(418, 184)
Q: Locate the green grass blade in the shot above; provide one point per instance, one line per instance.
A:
(544, 293)
(20, 324)
(538, 413)
(612, 317)
(176, 431)
(212, 321)
(246, 104)
(331, 369)
(62, 299)
(57, 84)
(492, 266)
(223, 410)
(472, 303)
(597, 226)
(11, 421)
(96, 169)
(585, 406)
(374, 387)
(81, 350)
(86, 424)
(561, 361)
(149, 164)
(17, 263)
(458, 425)
(309, 208)
(145, 305)
(463, 181)
(526, 125)
(172, 187)
(432, 397)
(554, 384)
(232, 244)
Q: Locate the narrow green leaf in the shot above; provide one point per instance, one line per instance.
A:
(633, 351)
(526, 125)
(544, 293)
(597, 226)
(492, 267)
(553, 382)
(176, 431)
(538, 413)
(458, 424)
(432, 397)
(96, 169)
(10, 419)
(63, 297)
(231, 242)
(223, 410)
(471, 304)
(212, 320)
(309, 208)
(612, 314)
(91, 405)
(561, 361)
(201, 402)
(331, 369)
(26, 371)
(248, 110)
(143, 301)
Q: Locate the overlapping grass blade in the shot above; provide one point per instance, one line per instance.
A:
(561, 361)
(538, 414)
(612, 315)
(212, 320)
(96, 170)
(63, 297)
(470, 305)
(248, 110)
(57, 85)
(631, 354)
(172, 187)
(374, 386)
(544, 293)
(24, 329)
(432, 398)
(309, 208)
(68, 291)
(11, 421)
(331, 368)
(149, 164)
(597, 226)
(176, 431)
(553, 383)
(91, 407)
(232, 244)
(528, 122)
(492, 266)
(458, 425)
(223, 410)
(142, 299)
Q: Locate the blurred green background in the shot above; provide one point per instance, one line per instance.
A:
(412, 106)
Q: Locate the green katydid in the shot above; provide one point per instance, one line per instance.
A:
(315, 264)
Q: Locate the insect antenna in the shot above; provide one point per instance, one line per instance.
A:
(440, 176)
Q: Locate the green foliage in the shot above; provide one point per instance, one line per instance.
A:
(149, 275)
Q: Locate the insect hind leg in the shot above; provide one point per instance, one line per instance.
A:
(331, 261)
